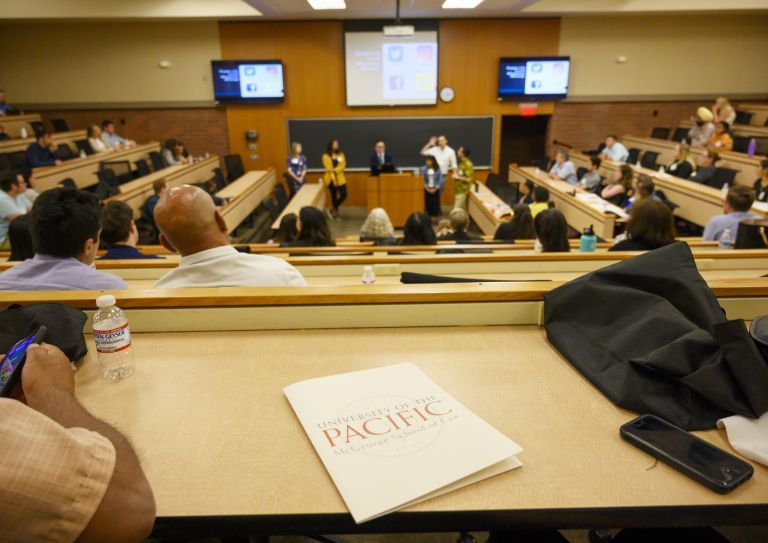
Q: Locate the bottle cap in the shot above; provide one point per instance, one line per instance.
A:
(368, 269)
(106, 300)
(589, 231)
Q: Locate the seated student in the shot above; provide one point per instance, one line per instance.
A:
(13, 204)
(459, 224)
(28, 183)
(173, 153)
(380, 160)
(682, 165)
(94, 140)
(65, 474)
(619, 188)
(614, 150)
(110, 136)
(738, 202)
(443, 228)
(520, 226)
(20, 238)
(378, 228)
(160, 188)
(119, 233)
(313, 230)
(418, 230)
(563, 168)
(721, 140)
(761, 184)
(702, 130)
(3, 134)
(591, 180)
(41, 152)
(191, 225)
(540, 200)
(551, 232)
(288, 231)
(644, 188)
(525, 191)
(65, 225)
(650, 226)
(722, 110)
(706, 168)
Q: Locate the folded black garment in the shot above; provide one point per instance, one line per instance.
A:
(417, 278)
(650, 334)
(65, 327)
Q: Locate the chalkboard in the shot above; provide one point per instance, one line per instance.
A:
(404, 136)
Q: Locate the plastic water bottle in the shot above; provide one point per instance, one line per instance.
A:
(588, 240)
(726, 239)
(751, 147)
(23, 132)
(82, 153)
(369, 278)
(724, 190)
(113, 339)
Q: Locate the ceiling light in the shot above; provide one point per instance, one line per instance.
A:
(461, 4)
(328, 4)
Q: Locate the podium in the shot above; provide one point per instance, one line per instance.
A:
(400, 194)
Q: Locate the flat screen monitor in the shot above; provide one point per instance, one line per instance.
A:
(248, 81)
(534, 78)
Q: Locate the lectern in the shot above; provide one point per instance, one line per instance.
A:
(400, 194)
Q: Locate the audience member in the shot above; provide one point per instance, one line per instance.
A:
(65, 225)
(110, 136)
(738, 202)
(296, 167)
(525, 192)
(67, 183)
(3, 134)
(94, 139)
(445, 156)
(173, 153)
(722, 110)
(288, 231)
(13, 203)
(761, 184)
(313, 229)
(191, 225)
(64, 474)
(20, 237)
(682, 164)
(459, 223)
(418, 230)
(443, 228)
(551, 232)
(41, 152)
(614, 150)
(159, 188)
(706, 168)
(119, 233)
(619, 188)
(650, 226)
(27, 176)
(433, 184)
(702, 130)
(520, 225)
(591, 180)
(644, 188)
(540, 200)
(5, 107)
(335, 178)
(464, 177)
(721, 140)
(563, 168)
(378, 228)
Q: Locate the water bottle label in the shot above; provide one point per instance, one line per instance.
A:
(114, 340)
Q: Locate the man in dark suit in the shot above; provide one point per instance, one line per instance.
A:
(381, 160)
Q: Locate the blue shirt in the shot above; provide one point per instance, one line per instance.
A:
(113, 140)
(436, 177)
(45, 272)
(124, 252)
(565, 171)
(719, 223)
(37, 156)
(616, 152)
(149, 206)
(9, 207)
(297, 164)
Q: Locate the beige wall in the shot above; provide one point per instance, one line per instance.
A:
(667, 56)
(107, 63)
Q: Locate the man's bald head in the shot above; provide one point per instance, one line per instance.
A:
(189, 221)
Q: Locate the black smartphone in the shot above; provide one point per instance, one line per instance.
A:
(711, 466)
(10, 368)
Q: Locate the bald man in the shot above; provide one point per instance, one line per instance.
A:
(191, 225)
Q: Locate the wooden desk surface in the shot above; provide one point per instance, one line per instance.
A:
(311, 194)
(14, 123)
(147, 180)
(759, 113)
(21, 144)
(217, 438)
(486, 209)
(245, 194)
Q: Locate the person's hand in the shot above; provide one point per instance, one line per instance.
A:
(46, 369)
(57, 162)
(433, 140)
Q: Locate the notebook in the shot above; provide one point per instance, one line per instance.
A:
(390, 437)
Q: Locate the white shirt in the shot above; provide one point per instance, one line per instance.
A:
(446, 158)
(98, 145)
(226, 267)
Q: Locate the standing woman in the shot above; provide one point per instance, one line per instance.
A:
(433, 184)
(334, 163)
(297, 167)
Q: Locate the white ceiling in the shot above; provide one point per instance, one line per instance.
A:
(31, 10)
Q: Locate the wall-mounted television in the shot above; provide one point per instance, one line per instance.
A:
(248, 81)
(534, 78)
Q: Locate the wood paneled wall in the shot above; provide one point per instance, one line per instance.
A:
(313, 55)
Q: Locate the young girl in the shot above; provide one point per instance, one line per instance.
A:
(433, 184)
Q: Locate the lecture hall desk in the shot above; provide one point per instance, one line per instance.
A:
(60, 138)
(14, 123)
(225, 454)
(311, 194)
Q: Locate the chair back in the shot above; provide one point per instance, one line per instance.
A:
(142, 168)
(282, 197)
(234, 165)
(721, 177)
(679, 134)
(157, 160)
(59, 125)
(648, 160)
(634, 154)
(743, 117)
(37, 127)
(84, 146)
(660, 133)
(64, 152)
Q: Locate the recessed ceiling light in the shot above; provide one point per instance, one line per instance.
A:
(328, 4)
(461, 4)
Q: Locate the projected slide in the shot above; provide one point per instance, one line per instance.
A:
(248, 81)
(383, 71)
